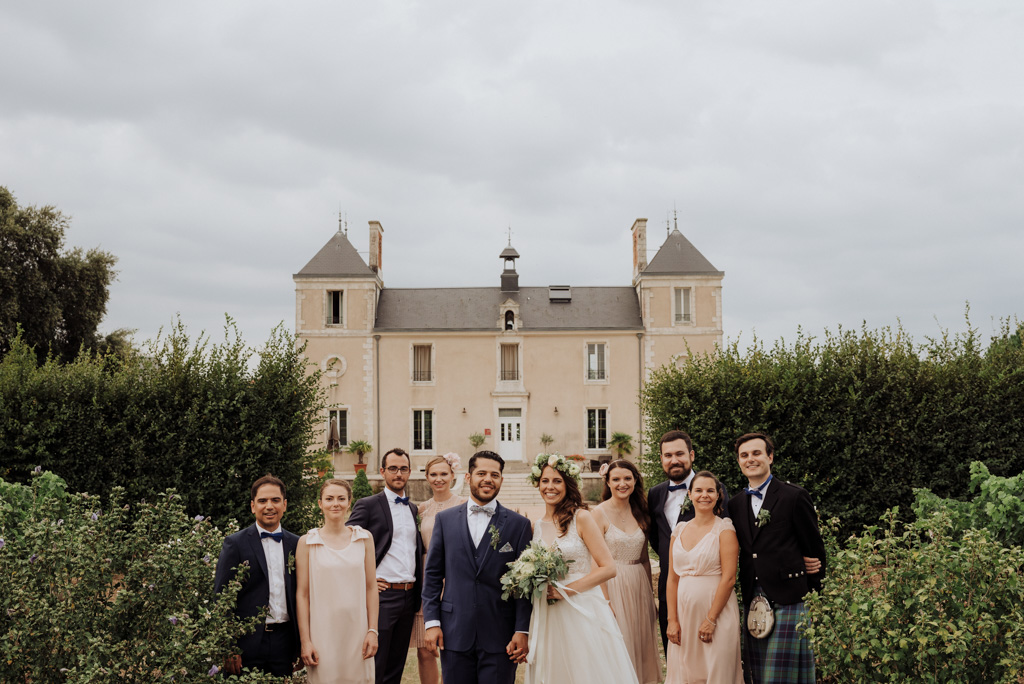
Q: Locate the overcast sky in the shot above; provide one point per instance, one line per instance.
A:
(840, 161)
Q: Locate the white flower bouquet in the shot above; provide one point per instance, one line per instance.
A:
(529, 575)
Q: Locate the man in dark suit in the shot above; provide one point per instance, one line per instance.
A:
(669, 504)
(782, 557)
(391, 518)
(481, 637)
(265, 547)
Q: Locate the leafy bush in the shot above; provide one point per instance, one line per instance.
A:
(848, 410)
(920, 603)
(205, 419)
(996, 505)
(114, 593)
(361, 486)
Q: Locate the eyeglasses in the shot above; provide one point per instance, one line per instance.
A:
(395, 470)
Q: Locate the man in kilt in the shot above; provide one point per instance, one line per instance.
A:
(782, 558)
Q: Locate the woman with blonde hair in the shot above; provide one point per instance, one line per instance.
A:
(440, 474)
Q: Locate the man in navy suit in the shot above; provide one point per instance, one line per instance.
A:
(669, 504)
(782, 557)
(265, 547)
(482, 638)
(391, 518)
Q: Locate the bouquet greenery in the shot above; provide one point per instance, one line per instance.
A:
(529, 575)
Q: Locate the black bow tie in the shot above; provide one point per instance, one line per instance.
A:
(758, 491)
(402, 500)
(481, 509)
(673, 488)
(276, 536)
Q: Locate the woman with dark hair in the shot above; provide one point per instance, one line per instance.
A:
(703, 616)
(574, 639)
(623, 519)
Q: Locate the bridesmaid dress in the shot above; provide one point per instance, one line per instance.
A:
(337, 610)
(632, 600)
(700, 571)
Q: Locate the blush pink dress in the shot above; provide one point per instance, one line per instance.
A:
(337, 610)
(632, 601)
(700, 571)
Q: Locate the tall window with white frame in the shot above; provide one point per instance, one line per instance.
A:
(423, 430)
(682, 305)
(597, 428)
(334, 308)
(509, 361)
(422, 370)
(596, 361)
(337, 429)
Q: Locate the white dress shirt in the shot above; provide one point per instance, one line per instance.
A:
(674, 501)
(274, 551)
(479, 522)
(755, 502)
(399, 563)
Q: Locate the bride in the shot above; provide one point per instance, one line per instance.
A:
(575, 638)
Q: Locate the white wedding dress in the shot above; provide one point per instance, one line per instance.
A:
(575, 640)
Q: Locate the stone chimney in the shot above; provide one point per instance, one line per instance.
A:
(639, 246)
(376, 240)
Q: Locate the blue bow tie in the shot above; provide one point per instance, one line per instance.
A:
(758, 491)
(402, 500)
(673, 488)
(276, 536)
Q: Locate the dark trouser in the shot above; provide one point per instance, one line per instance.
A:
(277, 651)
(397, 611)
(477, 667)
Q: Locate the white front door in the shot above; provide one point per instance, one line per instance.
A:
(510, 434)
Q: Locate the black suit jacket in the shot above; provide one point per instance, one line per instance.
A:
(245, 546)
(373, 513)
(773, 555)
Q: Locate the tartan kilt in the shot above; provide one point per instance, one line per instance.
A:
(785, 657)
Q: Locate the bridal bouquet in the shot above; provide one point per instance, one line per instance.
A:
(529, 575)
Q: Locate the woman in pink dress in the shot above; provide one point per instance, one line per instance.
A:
(440, 475)
(623, 519)
(336, 594)
(703, 615)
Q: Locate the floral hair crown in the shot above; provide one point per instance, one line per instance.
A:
(453, 460)
(556, 461)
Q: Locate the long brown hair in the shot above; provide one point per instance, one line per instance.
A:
(637, 500)
(570, 503)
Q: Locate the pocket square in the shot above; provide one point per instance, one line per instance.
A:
(507, 548)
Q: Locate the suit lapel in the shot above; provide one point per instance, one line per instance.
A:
(767, 504)
(385, 507)
(484, 550)
(256, 546)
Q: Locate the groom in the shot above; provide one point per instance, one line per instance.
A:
(481, 637)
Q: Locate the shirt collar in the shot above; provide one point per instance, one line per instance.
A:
(492, 504)
(273, 531)
(391, 495)
(687, 481)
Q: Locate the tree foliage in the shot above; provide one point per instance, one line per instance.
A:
(996, 504)
(205, 419)
(859, 419)
(111, 592)
(58, 297)
(922, 602)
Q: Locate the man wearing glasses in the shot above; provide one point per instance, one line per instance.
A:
(391, 518)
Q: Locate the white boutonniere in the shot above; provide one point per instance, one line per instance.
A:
(764, 516)
(686, 505)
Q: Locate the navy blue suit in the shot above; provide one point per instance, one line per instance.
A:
(271, 652)
(476, 624)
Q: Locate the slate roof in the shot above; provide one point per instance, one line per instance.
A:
(337, 258)
(477, 308)
(678, 256)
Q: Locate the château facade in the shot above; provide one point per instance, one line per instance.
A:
(424, 368)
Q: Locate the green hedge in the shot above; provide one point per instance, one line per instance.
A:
(204, 419)
(110, 592)
(859, 419)
(924, 602)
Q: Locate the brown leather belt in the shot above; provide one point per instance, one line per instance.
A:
(401, 586)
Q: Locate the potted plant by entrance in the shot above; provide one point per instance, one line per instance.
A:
(621, 443)
(359, 447)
